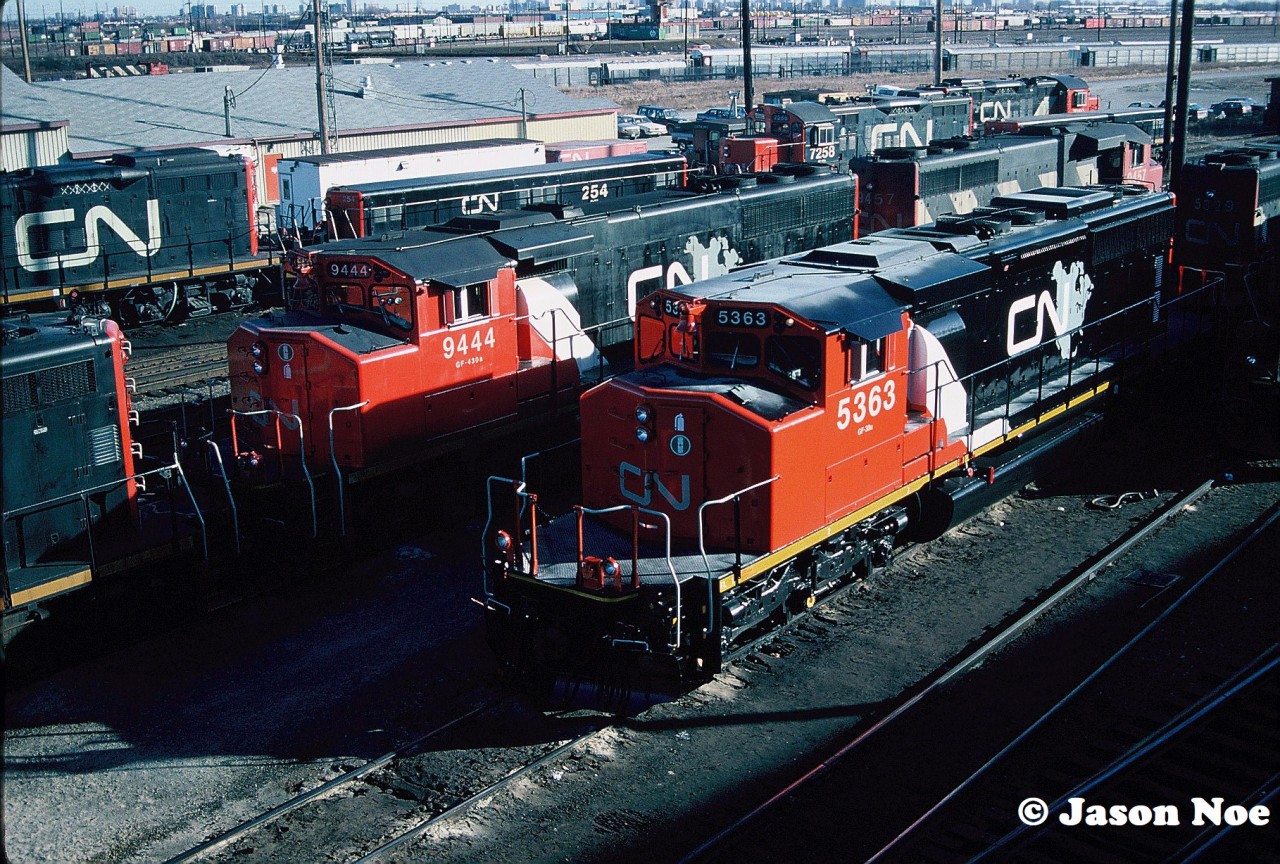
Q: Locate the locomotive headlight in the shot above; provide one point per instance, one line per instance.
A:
(257, 349)
(259, 367)
(642, 434)
(643, 414)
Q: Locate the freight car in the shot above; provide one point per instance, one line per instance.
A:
(73, 472)
(901, 187)
(145, 236)
(370, 209)
(787, 423)
(1229, 208)
(423, 343)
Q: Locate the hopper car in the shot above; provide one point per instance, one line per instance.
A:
(432, 338)
(787, 424)
(371, 209)
(143, 237)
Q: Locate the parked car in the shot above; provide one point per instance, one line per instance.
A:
(635, 126)
(658, 114)
(1238, 107)
(737, 113)
(1196, 111)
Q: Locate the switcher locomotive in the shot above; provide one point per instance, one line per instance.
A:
(144, 237)
(787, 423)
(425, 341)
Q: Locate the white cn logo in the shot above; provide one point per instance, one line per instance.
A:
(93, 248)
(1064, 312)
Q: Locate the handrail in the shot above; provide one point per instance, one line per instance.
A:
(342, 498)
(302, 452)
(667, 541)
(518, 487)
(702, 546)
(226, 482)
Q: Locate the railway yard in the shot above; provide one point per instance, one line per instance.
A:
(675, 514)
(374, 681)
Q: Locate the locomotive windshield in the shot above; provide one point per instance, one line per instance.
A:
(385, 305)
(798, 359)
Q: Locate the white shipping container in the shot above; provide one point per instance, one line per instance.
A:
(305, 180)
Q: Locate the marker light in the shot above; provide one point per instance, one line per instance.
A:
(610, 567)
(502, 541)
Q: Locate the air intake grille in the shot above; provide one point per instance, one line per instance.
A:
(104, 445)
(48, 387)
(796, 212)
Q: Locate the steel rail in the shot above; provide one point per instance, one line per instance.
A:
(294, 803)
(970, 661)
(487, 792)
(1268, 519)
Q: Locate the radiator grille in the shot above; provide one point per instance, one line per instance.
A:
(796, 212)
(48, 386)
(104, 445)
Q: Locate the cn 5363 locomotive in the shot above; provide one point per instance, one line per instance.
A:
(787, 423)
(446, 333)
(143, 237)
(1229, 208)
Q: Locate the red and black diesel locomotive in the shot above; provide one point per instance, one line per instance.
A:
(788, 422)
(143, 237)
(371, 209)
(905, 186)
(1229, 208)
(446, 333)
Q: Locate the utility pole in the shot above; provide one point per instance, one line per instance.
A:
(228, 102)
(937, 42)
(1170, 75)
(1184, 90)
(747, 94)
(321, 106)
(22, 38)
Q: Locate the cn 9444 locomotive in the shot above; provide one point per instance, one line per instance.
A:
(371, 209)
(73, 471)
(788, 422)
(446, 333)
(143, 237)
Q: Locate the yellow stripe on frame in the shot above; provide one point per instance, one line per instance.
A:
(48, 589)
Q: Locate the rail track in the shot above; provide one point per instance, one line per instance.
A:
(1201, 721)
(401, 774)
(173, 368)
(1214, 737)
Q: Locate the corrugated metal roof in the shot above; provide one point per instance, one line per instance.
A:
(110, 114)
